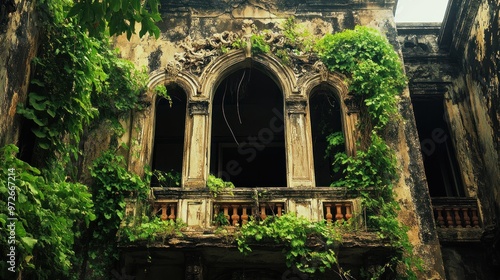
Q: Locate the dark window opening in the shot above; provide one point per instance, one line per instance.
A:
(169, 132)
(248, 146)
(441, 166)
(325, 120)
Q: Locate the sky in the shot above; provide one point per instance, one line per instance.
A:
(420, 10)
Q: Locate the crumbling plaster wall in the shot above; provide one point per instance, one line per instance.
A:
(466, 71)
(18, 45)
(196, 20)
(473, 103)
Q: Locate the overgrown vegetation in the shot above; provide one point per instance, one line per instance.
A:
(309, 246)
(65, 229)
(375, 75)
(45, 217)
(217, 186)
(171, 178)
(79, 81)
(150, 230)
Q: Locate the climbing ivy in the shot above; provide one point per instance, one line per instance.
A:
(217, 186)
(113, 184)
(78, 79)
(308, 246)
(376, 77)
(374, 70)
(66, 229)
(117, 16)
(45, 217)
(150, 230)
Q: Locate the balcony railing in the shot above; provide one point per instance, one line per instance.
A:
(165, 210)
(238, 214)
(456, 212)
(343, 211)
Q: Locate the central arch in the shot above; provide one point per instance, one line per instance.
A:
(247, 135)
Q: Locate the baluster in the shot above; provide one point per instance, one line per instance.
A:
(475, 218)
(226, 212)
(280, 209)
(339, 216)
(244, 215)
(449, 218)
(466, 217)
(328, 215)
(440, 218)
(235, 217)
(164, 211)
(172, 212)
(458, 219)
(263, 212)
(348, 214)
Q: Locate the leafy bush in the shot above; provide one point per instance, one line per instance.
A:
(47, 213)
(297, 235)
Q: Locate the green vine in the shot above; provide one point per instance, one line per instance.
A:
(151, 230)
(78, 79)
(167, 179)
(48, 215)
(66, 228)
(376, 77)
(308, 246)
(217, 186)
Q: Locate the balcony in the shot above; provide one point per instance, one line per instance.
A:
(199, 209)
(457, 219)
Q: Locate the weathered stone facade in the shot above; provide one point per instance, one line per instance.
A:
(18, 45)
(457, 74)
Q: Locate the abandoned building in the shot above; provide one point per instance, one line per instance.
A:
(253, 120)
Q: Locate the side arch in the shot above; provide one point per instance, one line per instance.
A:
(142, 124)
(335, 83)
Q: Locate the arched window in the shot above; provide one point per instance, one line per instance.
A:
(325, 115)
(248, 146)
(170, 119)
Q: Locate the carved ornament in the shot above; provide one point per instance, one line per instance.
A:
(296, 106)
(198, 107)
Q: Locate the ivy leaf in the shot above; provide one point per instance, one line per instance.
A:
(28, 243)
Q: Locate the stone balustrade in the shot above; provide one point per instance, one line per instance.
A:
(456, 212)
(165, 210)
(238, 214)
(200, 210)
(337, 211)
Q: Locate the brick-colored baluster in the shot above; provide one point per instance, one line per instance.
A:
(226, 211)
(466, 217)
(235, 217)
(164, 211)
(244, 215)
(279, 209)
(440, 218)
(339, 216)
(449, 218)
(475, 218)
(172, 212)
(328, 215)
(263, 212)
(458, 219)
(348, 213)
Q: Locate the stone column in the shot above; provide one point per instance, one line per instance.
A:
(196, 149)
(298, 149)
